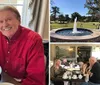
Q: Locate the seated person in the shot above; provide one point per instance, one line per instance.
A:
(56, 71)
(64, 62)
(85, 68)
(94, 73)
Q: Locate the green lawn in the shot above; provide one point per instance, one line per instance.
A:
(89, 25)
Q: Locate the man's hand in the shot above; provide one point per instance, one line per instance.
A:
(6, 78)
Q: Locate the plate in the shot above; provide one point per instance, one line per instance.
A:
(6, 83)
(74, 77)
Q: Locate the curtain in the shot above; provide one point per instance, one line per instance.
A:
(40, 17)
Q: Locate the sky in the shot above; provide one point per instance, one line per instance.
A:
(71, 6)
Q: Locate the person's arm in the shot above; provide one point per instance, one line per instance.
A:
(84, 69)
(60, 72)
(35, 67)
(6, 78)
(52, 73)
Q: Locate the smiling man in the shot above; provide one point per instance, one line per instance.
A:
(21, 50)
(9, 21)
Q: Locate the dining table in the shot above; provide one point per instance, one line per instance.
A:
(70, 76)
(70, 81)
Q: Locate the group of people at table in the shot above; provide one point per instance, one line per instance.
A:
(90, 71)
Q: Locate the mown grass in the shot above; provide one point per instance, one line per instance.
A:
(89, 25)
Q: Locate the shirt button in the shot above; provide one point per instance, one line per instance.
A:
(7, 61)
(8, 52)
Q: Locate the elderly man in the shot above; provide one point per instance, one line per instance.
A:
(94, 73)
(21, 50)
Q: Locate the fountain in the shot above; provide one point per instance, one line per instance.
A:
(75, 26)
(74, 34)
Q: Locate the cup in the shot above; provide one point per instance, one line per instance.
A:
(69, 76)
(74, 76)
(65, 76)
(80, 76)
(87, 78)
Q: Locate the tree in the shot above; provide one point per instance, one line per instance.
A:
(93, 7)
(74, 15)
(67, 18)
(54, 12)
(61, 18)
(83, 18)
(52, 17)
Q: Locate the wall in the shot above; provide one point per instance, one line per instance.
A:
(52, 48)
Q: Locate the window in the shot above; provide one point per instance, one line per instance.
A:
(96, 52)
(22, 6)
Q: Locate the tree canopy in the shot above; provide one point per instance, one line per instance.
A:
(54, 12)
(93, 7)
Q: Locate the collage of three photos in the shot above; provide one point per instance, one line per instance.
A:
(50, 42)
(74, 42)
